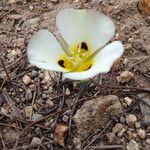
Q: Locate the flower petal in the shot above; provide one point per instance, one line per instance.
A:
(44, 50)
(88, 26)
(102, 63)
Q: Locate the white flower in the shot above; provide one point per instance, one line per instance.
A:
(81, 52)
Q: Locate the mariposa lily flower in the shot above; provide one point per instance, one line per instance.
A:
(81, 51)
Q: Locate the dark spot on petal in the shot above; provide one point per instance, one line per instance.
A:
(61, 63)
(88, 68)
(84, 46)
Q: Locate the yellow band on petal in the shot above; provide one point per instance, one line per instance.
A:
(78, 61)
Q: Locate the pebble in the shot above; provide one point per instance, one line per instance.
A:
(144, 6)
(20, 42)
(77, 142)
(32, 87)
(125, 61)
(137, 125)
(4, 111)
(26, 79)
(95, 113)
(34, 73)
(65, 118)
(31, 7)
(67, 92)
(111, 136)
(146, 120)
(15, 16)
(10, 134)
(49, 123)
(32, 22)
(36, 117)
(117, 128)
(145, 109)
(128, 101)
(14, 1)
(125, 77)
(134, 135)
(28, 110)
(11, 1)
(35, 142)
(142, 134)
(129, 134)
(131, 119)
(49, 103)
(132, 145)
(28, 94)
(120, 134)
(148, 141)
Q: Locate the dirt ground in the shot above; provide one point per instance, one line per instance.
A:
(28, 93)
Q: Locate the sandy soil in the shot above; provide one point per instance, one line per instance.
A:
(18, 22)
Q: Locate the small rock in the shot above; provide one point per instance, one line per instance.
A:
(4, 111)
(137, 125)
(129, 134)
(36, 117)
(131, 119)
(15, 16)
(148, 141)
(145, 109)
(28, 94)
(144, 6)
(132, 145)
(50, 103)
(125, 77)
(128, 101)
(65, 118)
(77, 142)
(47, 78)
(142, 134)
(32, 87)
(60, 134)
(32, 22)
(20, 42)
(95, 113)
(9, 134)
(28, 110)
(122, 119)
(117, 128)
(49, 123)
(120, 134)
(35, 142)
(34, 73)
(146, 120)
(144, 106)
(125, 61)
(67, 91)
(111, 137)
(15, 1)
(26, 79)
(31, 7)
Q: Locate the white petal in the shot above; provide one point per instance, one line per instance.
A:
(44, 50)
(102, 63)
(88, 26)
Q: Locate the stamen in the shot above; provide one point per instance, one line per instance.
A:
(79, 48)
(64, 45)
(77, 62)
(94, 54)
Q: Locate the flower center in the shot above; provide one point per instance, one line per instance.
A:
(78, 61)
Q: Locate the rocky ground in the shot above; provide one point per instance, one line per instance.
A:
(39, 111)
